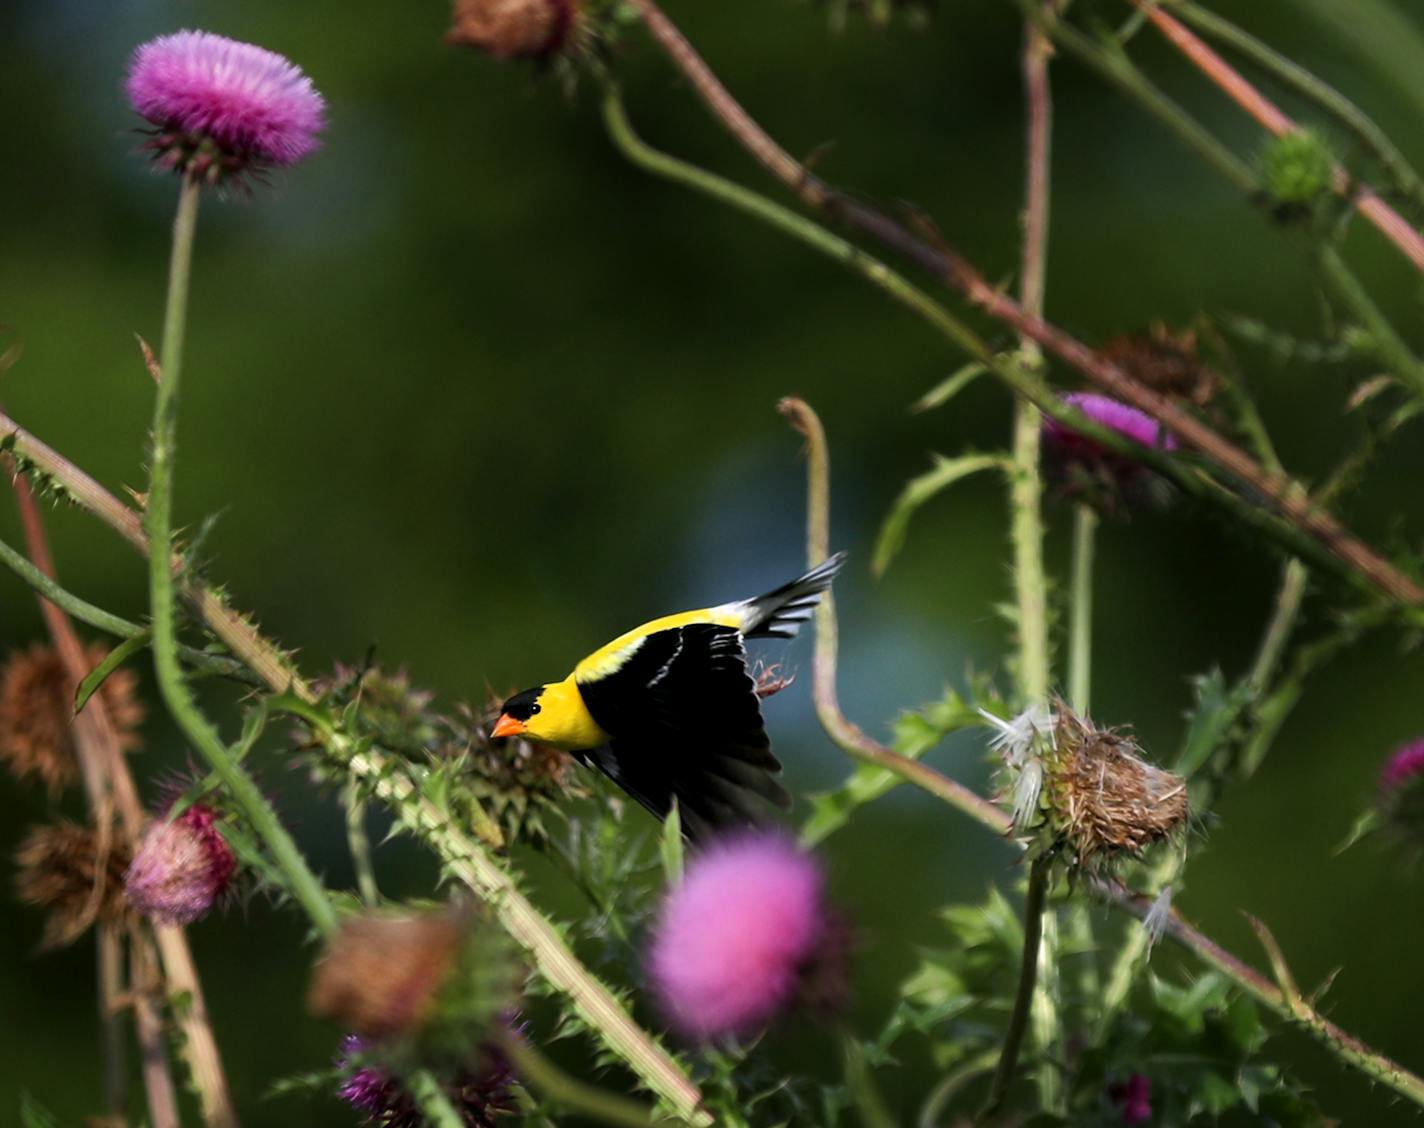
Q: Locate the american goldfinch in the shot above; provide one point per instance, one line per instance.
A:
(668, 710)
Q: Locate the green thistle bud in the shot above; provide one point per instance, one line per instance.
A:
(1298, 169)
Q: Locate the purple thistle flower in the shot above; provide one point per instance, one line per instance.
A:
(480, 1097)
(222, 107)
(1080, 466)
(1401, 791)
(1134, 1098)
(181, 867)
(1403, 768)
(745, 933)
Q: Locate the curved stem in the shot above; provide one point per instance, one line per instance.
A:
(1389, 347)
(541, 1074)
(172, 683)
(1038, 877)
(434, 1103)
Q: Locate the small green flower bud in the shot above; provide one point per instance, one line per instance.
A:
(1298, 168)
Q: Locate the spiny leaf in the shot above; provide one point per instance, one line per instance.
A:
(950, 386)
(919, 490)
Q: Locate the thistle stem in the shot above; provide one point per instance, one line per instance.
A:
(359, 845)
(1034, 901)
(1080, 615)
(439, 1112)
(1389, 347)
(591, 1103)
(172, 682)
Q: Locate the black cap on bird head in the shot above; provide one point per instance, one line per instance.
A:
(514, 714)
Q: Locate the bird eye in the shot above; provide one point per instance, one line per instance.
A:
(533, 709)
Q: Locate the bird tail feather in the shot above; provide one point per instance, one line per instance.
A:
(780, 613)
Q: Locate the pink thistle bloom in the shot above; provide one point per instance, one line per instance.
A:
(742, 936)
(1134, 1098)
(180, 868)
(1120, 417)
(222, 107)
(1403, 768)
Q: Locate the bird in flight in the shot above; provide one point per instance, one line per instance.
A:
(669, 710)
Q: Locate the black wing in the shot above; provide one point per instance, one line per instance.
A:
(685, 721)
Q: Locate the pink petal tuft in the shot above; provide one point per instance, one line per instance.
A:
(254, 104)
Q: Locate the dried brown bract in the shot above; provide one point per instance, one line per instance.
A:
(36, 712)
(1105, 799)
(381, 973)
(1166, 361)
(514, 29)
(65, 869)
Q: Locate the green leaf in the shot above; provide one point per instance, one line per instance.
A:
(670, 845)
(33, 1114)
(950, 386)
(1216, 711)
(112, 661)
(919, 490)
(1368, 823)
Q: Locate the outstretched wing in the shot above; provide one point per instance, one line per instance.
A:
(685, 721)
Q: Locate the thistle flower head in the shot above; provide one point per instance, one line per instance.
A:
(1133, 1098)
(1103, 800)
(37, 708)
(481, 1096)
(221, 108)
(73, 873)
(514, 29)
(1401, 790)
(181, 866)
(1021, 742)
(438, 978)
(1167, 361)
(1081, 467)
(745, 933)
(1297, 168)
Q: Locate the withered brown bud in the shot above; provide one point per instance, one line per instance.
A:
(1166, 361)
(1104, 799)
(514, 29)
(381, 974)
(67, 870)
(36, 709)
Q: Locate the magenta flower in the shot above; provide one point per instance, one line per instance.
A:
(181, 867)
(222, 107)
(1403, 768)
(745, 933)
(1081, 467)
(481, 1097)
(1134, 1098)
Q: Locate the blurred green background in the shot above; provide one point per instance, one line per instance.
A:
(467, 388)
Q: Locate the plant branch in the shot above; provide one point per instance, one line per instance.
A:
(1282, 494)
(1390, 223)
(1080, 614)
(1038, 878)
(592, 1103)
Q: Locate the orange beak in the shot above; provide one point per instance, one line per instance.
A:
(508, 726)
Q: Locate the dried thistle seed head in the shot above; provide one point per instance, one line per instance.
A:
(1104, 800)
(514, 29)
(36, 713)
(1166, 361)
(440, 977)
(61, 869)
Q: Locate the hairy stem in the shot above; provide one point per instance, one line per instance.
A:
(172, 681)
(359, 844)
(1080, 609)
(153, 1048)
(1038, 878)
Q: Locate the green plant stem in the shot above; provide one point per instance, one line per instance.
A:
(940, 1096)
(1309, 86)
(1131, 958)
(439, 1112)
(1034, 900)
(172, 683)
(1389, 347)
(1289, 596)
(1080, 614)
(359, 844)
(539, 1073)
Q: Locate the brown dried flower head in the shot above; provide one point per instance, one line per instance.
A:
(381, 973)
(65, 869)
(1103, 799)
(1166, 361)
(514, 29)
(36, 707)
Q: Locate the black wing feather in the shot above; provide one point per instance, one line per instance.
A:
(685, 721)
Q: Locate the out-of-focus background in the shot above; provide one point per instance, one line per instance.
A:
(470, 390)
